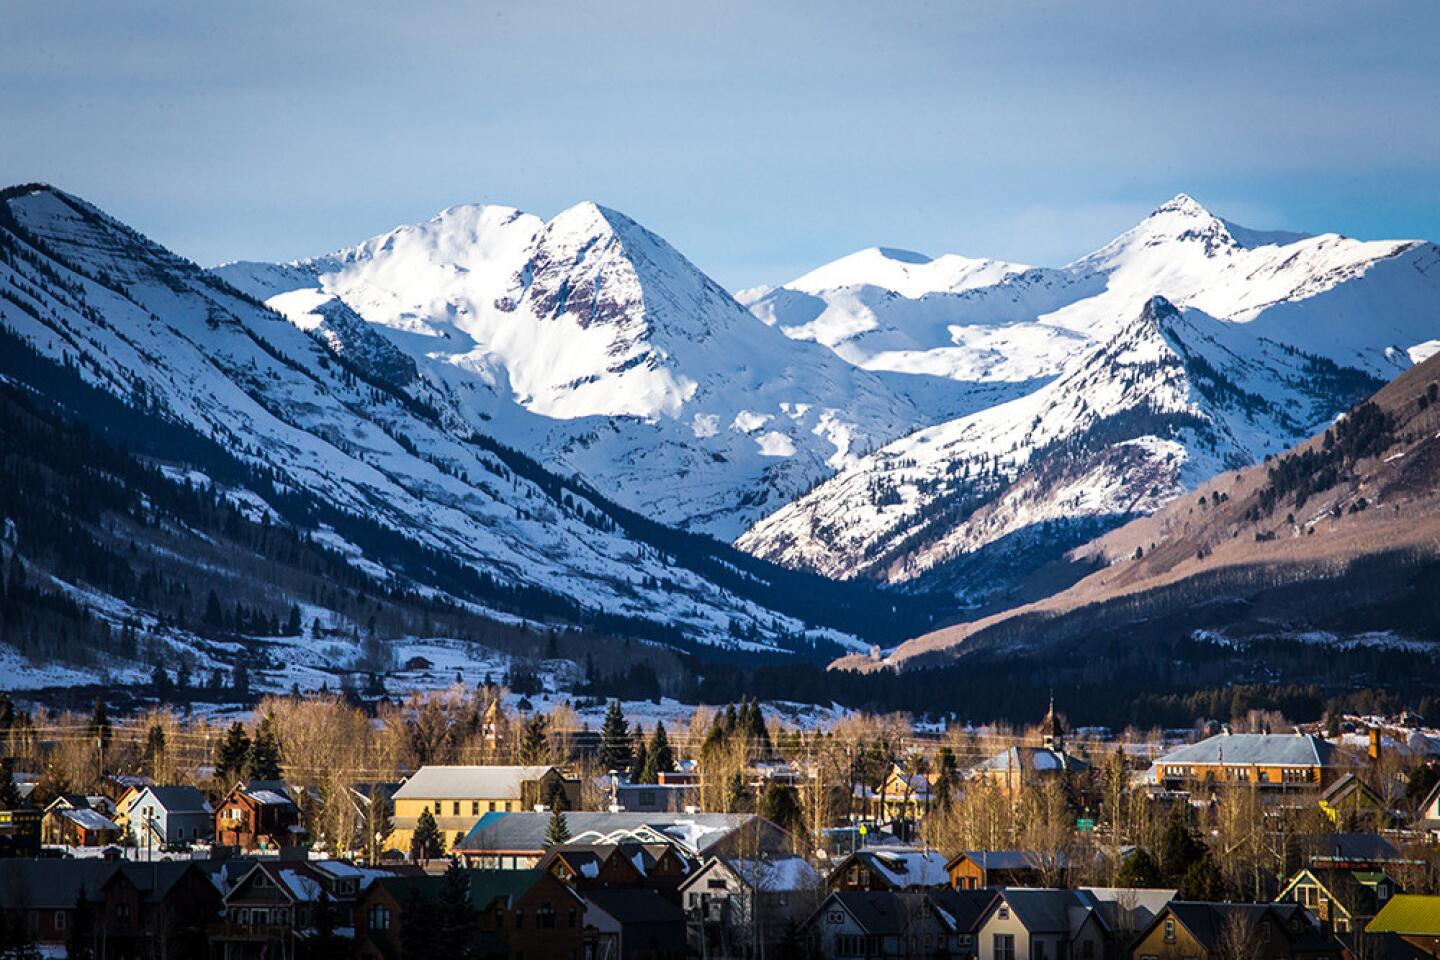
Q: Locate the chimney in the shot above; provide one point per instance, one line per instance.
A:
(1374, 750)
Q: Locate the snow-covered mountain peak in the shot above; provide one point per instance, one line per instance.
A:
(905, 272)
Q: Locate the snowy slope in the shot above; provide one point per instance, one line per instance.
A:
(592, 343)
(1284, 327)
(337, 410)
(1168, 400)
(1367, 303)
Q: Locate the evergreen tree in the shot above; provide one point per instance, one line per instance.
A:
(160, 680)
(615, 740)
(263, 760)
(535, 740)
(1139, 870)
(558, 831)
(214, 616)
(231, 754)
(100, 728)
(780, 804)
(292, 625)
(455, 924)
(660, 756)
(241, 681)
(9, 793)
(154, 753)
(426, 843)
(80, 935)
(638, 756)
(419, 936)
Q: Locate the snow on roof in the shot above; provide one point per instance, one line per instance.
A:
(301, 886)
(908, 867)
(780, 875)
(89, 819)
(1282, 749)
(267, 797)
(468, 782)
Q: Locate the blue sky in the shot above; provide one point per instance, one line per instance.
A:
(760, 138)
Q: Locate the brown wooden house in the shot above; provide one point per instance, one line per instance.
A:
(975, 869)
(519, 913)
(258, 816)
(1187, 930)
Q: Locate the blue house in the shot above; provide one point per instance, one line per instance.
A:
(161, 815)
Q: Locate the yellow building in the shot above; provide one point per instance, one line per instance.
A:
(457, 796)
(1271, 761)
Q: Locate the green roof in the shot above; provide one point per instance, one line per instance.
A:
(1408, 913)
(486, 886)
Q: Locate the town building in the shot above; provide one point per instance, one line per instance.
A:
(1341, 900)
(1029, 766)
(517, 840)
(523, 913)
(1273, 762)
(898, 925)
(157, 817)
(738, 903)
(259, 815)
(973, 869)
(458, 796)
(890, 868)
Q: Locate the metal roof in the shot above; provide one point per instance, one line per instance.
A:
(468, 783)
(523, 831)
(1263, 749)
(1408, 913)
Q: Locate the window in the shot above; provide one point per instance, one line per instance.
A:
(1037, 950)
(492, 806)
(573, 916)
(379, 917)
(1004, 946)
(545, 917)
(1169, 931)
(475, 808)
(59, 919)
(849, 946)
(455, 808)
(1004, 912)
(519, 918)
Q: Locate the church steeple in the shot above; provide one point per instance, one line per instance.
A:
(1054, 732)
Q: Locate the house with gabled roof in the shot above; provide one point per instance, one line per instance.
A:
(1412, 919)
(259, 815)
(1350, 802)
(884, 924)
(132, 905)
(168, 815)
(1042, 924)
(1342, 900)
(1428, 817)
(731, 899)
(1217, 931)
(973, 869)
(72, 820)
(518, 913)
(634, 924)
(890, 868)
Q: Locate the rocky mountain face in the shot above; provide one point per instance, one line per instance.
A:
(358, 445)
(1332, 545)
(1185, 347)
(592, 343)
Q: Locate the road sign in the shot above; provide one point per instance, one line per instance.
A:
(1084, 824)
